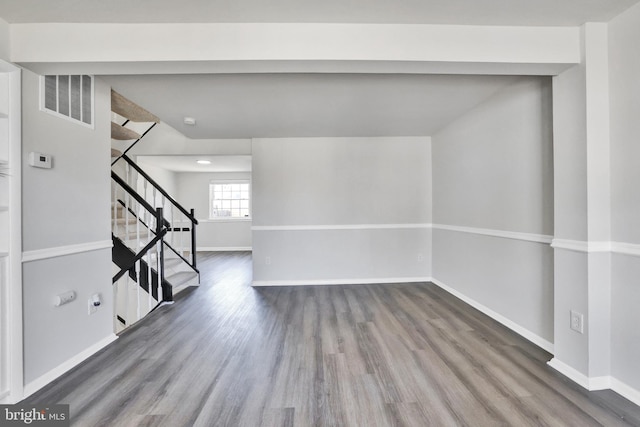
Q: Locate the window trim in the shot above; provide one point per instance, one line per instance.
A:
(229, 218)
(62, 116)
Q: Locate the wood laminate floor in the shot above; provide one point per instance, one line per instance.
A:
(227, 354)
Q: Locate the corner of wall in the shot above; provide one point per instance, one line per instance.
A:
(5, 41)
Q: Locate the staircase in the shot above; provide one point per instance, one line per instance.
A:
(154, 237)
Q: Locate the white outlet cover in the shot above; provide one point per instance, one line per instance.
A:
(92, 308)
(576, 321)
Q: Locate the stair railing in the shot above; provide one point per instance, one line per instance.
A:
(147, 222)
(181, 239)
(138, 234)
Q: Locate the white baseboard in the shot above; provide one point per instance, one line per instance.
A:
(56, 372)
(223, 248)
(322, 282)
(596, 383)
(525, 333)
(322, 227)
(571, 373)
(625, 390)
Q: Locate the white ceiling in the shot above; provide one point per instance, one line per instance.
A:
(189, 163)
(290, 105)
(308, 105)
(464, 12)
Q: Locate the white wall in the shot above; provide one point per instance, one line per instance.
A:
(493, 174)
(4, 40)
(66, 235)
(165, 178)
(193, 192)
(624, 33)
(341, 210)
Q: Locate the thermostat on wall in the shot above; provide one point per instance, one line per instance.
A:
(39, 160)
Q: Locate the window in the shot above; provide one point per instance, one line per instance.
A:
(229, 200)
(70, 97)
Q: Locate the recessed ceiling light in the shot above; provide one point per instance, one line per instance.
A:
(189, 121)
(203, 162)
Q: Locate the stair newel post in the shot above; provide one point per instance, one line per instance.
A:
(159, 225)
(193, 238)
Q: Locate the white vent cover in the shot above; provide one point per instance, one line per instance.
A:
(68, 96)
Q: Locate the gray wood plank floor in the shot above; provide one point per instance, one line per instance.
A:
(226, 354)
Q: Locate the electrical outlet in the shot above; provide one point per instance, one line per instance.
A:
(92, 308)
(267, 260)
(94, 302)
(420, 258)
(577, 321)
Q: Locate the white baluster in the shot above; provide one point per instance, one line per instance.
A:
(150, 296)
(137, 231)
(125, 312)
(173, 215)
(149, 281)
(114, 208)
(181, 250)
(154, 195)
(127, 203)
(123, 198)
(153, 224)
(158, 269)
(116, 322)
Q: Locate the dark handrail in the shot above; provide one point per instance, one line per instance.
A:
(135, 142)
(136, 196)
(139, 255)
(159, 188)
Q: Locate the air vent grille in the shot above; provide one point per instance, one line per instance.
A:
(69, 96)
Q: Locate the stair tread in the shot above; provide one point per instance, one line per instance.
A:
(130, 110)
(120, 220)
(130, 236)
(121, 133)
(181, 277)
(172, 262)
